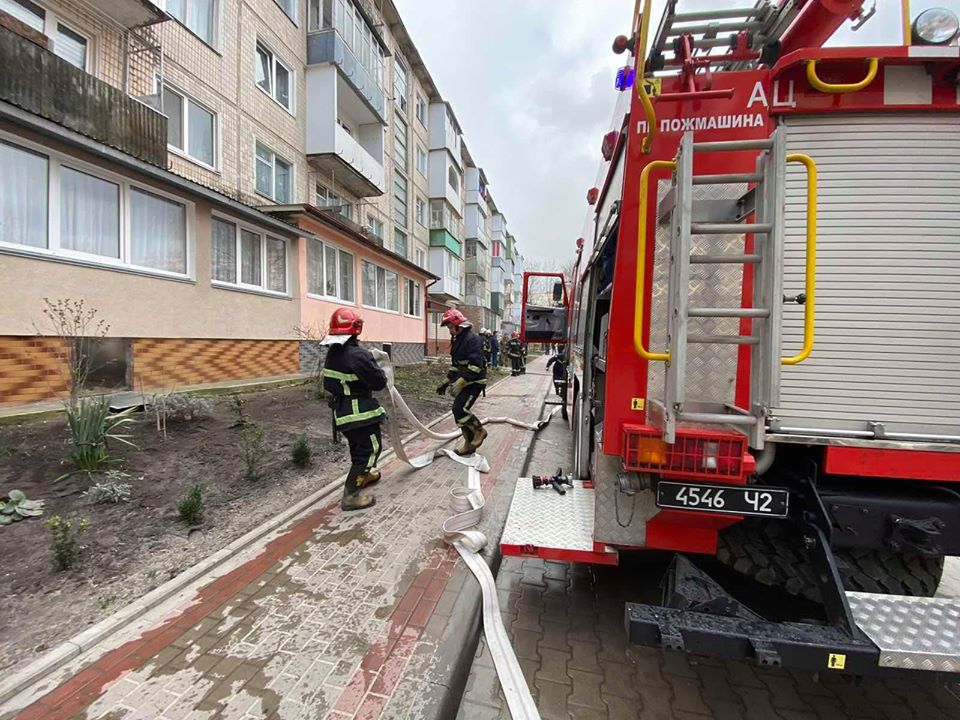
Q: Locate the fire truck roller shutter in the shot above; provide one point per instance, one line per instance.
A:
(888, 263)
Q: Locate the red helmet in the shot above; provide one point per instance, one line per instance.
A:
(345, 321)
(453, 317)
(514, 334)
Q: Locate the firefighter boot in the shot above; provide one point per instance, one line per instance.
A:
(479, 434)
(357, 501)
(465, 447)
(370, 477)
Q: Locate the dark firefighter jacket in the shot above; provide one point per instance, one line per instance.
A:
(559, 368)
(514, 348)
(487, 345)
(467, 359)
(350, 375)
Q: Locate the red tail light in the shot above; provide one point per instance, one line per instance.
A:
(698, 454)
(592, 195)
(609, 144)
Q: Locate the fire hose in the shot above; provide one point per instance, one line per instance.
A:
(459, 530)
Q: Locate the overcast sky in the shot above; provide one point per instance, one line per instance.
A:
(531, 82)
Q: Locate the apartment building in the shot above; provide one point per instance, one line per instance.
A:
(215, 177)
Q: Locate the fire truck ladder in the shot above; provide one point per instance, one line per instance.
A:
(767, 300)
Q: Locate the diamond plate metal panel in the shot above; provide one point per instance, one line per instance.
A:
(711, 369)
(620, 519)
(545, 518)
(912, 633)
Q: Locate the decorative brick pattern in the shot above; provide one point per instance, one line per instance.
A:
(312, 354)
(176, 362)
(32, 369)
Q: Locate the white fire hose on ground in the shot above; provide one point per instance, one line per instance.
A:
(459, 530)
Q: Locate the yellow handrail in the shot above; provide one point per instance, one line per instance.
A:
(810, 275)
(641, 51)
(642, 261)
(817, 84)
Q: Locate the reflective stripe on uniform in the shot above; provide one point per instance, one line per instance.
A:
(376, 451)
(357, 416)
(344, 379)
(474, 368)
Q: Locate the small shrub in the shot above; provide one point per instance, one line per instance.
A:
(300, 453)
(191, 508)
(252, 451)
(236, 406)
(113, 490)
(15, 507)
(92, 426)
(181, 407)
(5, 451)
(65, 541)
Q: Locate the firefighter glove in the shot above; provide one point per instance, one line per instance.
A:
(458, 386)
(442, 388)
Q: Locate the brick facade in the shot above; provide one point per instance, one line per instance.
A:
(171, 363)
(32, 369)
(312, 354)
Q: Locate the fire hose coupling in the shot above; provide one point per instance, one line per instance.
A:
(557, 481)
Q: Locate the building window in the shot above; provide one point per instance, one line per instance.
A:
(421, 211)
(421, 110)
(421, 161)
(274, 78)
(442, 217)
(257, 259)
(289, 7)
(400, 199)
(96, 217)
(274, 175)
(453, 177)
(400, 242)
(327, 198)
(197, 15)
(400, 85)
(66, 43)
(353, 30)
(400, 142)
(422, 258)
(329, 271)
(376, 227)
(380, 288)
(413, 300)
(191, 128)
(470, 249)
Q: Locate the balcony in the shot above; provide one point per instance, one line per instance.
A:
(344, 137)
(478, 265)
(496, 303)
(326, 47)
(36, 80)
(475, 224)
(444, 131)
(129, 13)
(448, 268)
(443, 239)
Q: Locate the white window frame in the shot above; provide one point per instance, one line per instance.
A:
(274, 60)
(406, 240)
(324, 244)
(214, 41)
(394, 204)
(420, 211)
(53, 251)
(400, 122)
(296, 11)
(421, 153)
(185, 126)
(400, 71)
(273, 182)
(339, 206)
(421, 104)
(421, 258)
(406, 292)
(370, 226)
(264, 235)
(50, 21)
(376, 299)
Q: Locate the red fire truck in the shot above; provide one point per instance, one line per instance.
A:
(763, 339)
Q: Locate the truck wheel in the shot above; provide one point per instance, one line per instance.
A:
(771, 554)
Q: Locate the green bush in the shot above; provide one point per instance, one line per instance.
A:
(252, 451)
(300, 453)
(111, 491)
(92, 426)
(15, 507)
(191, 508)
(65, 541)
(236, 406)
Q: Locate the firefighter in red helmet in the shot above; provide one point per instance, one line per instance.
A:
(466, 379)
(350, 376)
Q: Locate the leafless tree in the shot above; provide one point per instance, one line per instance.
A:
(79, 329)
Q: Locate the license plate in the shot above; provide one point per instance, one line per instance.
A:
(728, 499)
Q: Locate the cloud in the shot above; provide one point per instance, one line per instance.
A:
(531, 82)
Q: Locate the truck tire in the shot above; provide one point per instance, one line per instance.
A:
(771, 554)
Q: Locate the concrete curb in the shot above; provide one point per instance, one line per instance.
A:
(68, 650)
(461, 636)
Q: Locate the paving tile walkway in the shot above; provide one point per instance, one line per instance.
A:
(566, 624)
(338, 617)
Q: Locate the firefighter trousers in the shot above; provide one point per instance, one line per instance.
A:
(365, 444)
(462, 406)
(516, 364)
